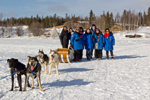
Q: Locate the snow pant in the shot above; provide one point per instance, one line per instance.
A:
(89, 53)
(93, 49)
(81, 54)
(77, 54)
(107, 54)
(98, 54)
(65, 44)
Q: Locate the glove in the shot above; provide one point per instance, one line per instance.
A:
(93, 45)
(77, 40)
(71, 46)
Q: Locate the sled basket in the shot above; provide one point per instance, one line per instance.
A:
(63, 55)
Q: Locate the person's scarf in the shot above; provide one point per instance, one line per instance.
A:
(106, 35)
(81, 35)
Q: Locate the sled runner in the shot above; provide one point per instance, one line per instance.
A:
(64, 55)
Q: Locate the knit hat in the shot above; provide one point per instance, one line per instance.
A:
(97, 29)
(93, 25)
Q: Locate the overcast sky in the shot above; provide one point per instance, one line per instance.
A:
(28, 8)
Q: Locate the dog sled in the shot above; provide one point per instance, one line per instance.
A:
(64, 55)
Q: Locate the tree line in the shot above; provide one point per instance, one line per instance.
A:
(128, 20)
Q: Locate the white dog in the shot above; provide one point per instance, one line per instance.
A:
(53, 60)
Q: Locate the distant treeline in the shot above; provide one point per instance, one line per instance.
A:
(106, 20)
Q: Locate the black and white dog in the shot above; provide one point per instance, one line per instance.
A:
(44, 60)
(19, 69)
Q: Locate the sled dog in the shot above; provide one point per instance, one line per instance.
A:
(43, 59)
(33, 70)
(19, 69)
(53, 60)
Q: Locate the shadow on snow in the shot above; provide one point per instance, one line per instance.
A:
(74, 70)
(128, 57)
(75, 82)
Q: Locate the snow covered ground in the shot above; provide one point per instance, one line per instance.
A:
(127, 77)
(144, 31)
(49, 30)
(11, 32)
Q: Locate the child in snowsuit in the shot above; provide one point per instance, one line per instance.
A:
(88, 44)
(99, 41)
(109, 43)
(81, 31)
(78, 45)
(93, 30)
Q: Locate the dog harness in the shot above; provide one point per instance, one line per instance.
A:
(16, 70)
(32, 72)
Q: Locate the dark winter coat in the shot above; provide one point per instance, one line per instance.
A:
(64, 38)
(100, 40)
(109, 42)
(69, 36)
(77, 42)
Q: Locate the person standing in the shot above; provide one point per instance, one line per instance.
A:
(69, 34)
(71, 31)
(109, 43)
(64, 37)
(99, 41)
(81, 30)
(93, 29)
(78, 44)
(88, 42)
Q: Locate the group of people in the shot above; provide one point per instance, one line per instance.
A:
(90, 39)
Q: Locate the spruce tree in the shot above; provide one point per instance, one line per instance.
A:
(111, 20)
(91, 17)
(145, 19)
(148, 16)
(107, 25)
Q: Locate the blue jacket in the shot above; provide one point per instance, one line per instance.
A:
(77, 42)
(93, 32)
(100, 40)
(109, 42)
(88, 41)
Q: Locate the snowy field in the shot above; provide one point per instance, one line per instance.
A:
(127, 77)
(143, 31)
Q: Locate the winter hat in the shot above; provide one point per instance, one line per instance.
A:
(97, 29)
(82, 29)
(93, 25)
(77, 28)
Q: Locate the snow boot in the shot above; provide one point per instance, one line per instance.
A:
(107, 54)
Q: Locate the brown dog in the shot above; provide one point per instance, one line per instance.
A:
(33, 70)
